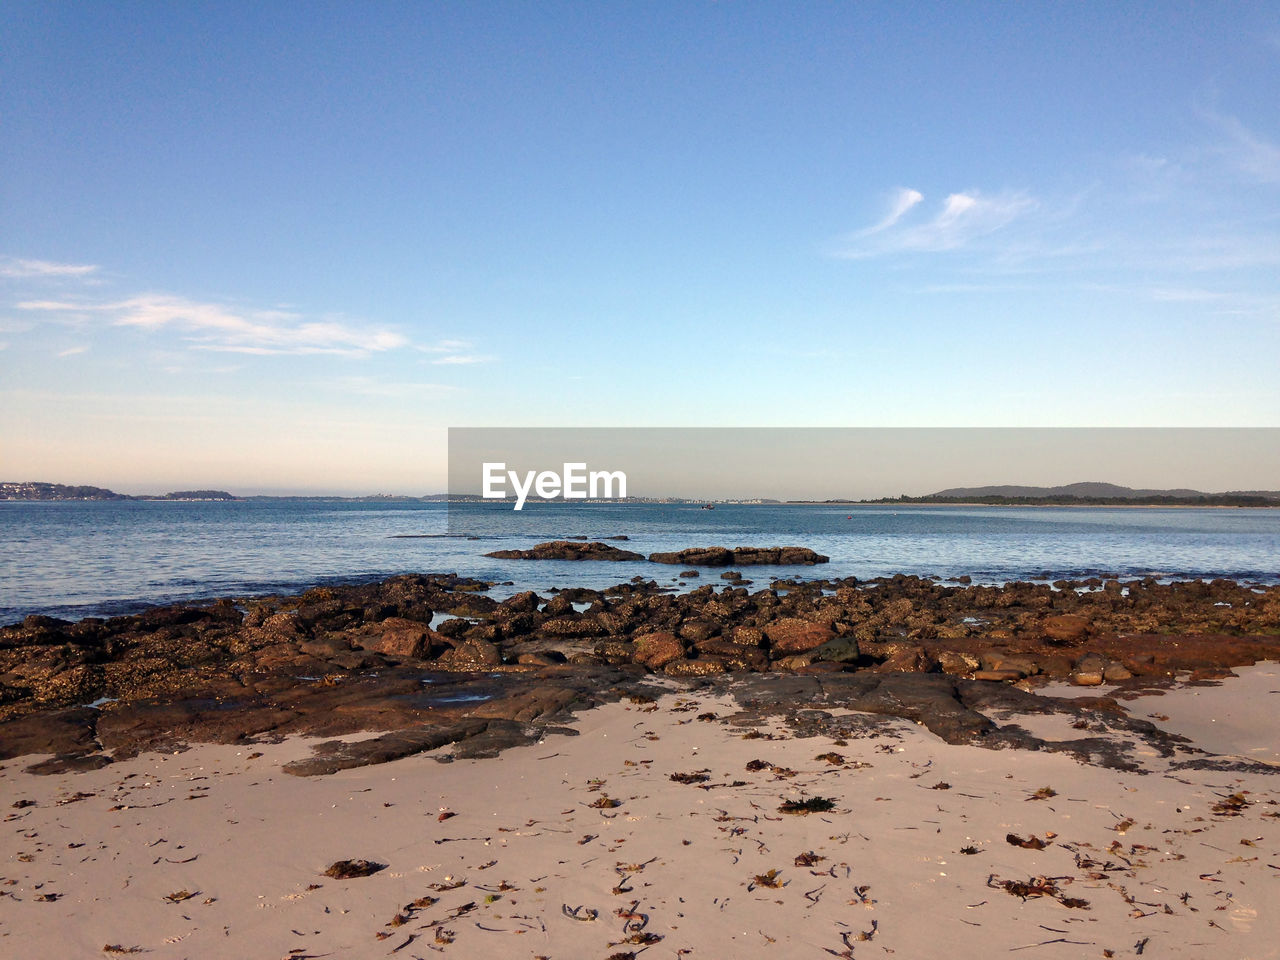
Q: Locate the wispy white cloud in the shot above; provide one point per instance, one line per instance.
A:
(903, 200)
(204, 325)
(961, 219)
(444, 346)
(1246, 150)
(374, 387)
(19, 268)
(462, 359)
(453, 353)
(219, 327)
(1186, 295)
(50, 306)
(72, 351)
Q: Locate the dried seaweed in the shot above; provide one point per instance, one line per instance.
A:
(350, 869)
(807, 805)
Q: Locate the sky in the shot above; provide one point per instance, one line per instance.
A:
(827, 463)
(274, 247)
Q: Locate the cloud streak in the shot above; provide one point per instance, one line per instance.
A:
(1254, 156)
(962, 219)
(371, 387)
(461, 359)
(21, 269)
(903, 201)
(222, 328)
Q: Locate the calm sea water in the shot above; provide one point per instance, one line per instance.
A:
(95, 559)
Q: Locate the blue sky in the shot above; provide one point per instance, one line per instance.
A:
(283, 246)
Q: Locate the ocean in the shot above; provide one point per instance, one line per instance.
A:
(79, 559)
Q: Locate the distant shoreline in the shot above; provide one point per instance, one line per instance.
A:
(1073, 495)
(1070, 506)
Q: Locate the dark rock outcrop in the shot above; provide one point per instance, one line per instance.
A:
(744, 556)
(568, 550)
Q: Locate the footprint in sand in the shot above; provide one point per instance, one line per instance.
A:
(1242, 918)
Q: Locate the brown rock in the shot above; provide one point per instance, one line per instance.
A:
(1115, 672)
(538, 659)
(792, 635)
(957, 663)
(402, 639)
(1056, 667)
(470, 655)
(656, 650)
(696, 630)
(542, 701)
(1089, 671)
(693, 668)
(567, 550)
(793, 663)
(998, 676)
(575, 626)
(906, 658)
(745, 556)
(696, 557)
(615, 651)
(1065, 627)
(58, 731)
(735, 655)
(526, 602)
(1003, 662)
(823, 666)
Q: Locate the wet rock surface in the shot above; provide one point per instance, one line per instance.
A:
(365, 659)
(956, 711)
(568, 550)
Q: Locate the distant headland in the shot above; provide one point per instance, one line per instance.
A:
(32, 490)
(1091, 494)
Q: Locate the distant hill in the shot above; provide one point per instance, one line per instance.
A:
(34, 490)
(56, 491)
(1097, 494)
(1088, 489)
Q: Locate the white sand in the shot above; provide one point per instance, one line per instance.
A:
(1239, 716)
(248, 841)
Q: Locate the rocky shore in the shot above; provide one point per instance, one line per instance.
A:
(426, 660)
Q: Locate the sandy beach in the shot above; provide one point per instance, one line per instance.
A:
(628, 481)
(657, 831)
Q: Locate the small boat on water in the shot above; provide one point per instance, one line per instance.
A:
(708, 506)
